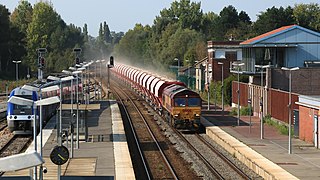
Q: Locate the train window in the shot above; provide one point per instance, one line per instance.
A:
(179, 102)
(22, 107)
(193, 102)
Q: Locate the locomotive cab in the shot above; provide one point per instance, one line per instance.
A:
(183, 107)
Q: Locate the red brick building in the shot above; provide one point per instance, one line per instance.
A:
(225, 52)
(308, 119)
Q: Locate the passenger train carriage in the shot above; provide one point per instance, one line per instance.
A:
(20, 117)
(180, 105)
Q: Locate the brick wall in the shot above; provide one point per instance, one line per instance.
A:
(306, 123)
(305, 81)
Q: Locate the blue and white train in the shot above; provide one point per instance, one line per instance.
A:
(20, 117)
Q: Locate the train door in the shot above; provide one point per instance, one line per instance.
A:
(316, 131)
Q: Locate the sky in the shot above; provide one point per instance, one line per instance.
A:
(122, 15)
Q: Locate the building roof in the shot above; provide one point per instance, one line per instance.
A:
(276, 32)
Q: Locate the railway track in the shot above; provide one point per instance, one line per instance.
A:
(216, 162)
(14, 145)
(154, 160)
(207, 164)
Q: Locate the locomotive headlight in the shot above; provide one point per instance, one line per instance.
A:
(29, 117)
(10, 117)
(15, 117)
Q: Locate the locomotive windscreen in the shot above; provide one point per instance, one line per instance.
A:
(194, 102)
(23, 108)
(180, 102)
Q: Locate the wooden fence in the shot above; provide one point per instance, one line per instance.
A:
(275, 101)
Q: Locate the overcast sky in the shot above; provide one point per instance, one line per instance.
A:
(122, 15)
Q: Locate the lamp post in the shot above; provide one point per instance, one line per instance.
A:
(176, 59)
(68, 78)
(289, 105)
(17, 69)
(71, 111)
(262, 98)
(77, 122)
(208, 84)
(238, 91)
(222, 89)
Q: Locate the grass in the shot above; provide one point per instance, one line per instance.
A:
(244, 111)
(282, 128)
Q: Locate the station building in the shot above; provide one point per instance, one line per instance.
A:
(286, 47)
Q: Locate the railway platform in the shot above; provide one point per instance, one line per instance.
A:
(269, 156)
(103, 155)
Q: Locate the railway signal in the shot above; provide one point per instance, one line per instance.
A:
(41, 62)
(111, 63)
(77, 60)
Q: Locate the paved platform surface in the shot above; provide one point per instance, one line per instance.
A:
(303, 163)
(104, 155)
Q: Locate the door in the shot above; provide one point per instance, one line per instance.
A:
(316, 134)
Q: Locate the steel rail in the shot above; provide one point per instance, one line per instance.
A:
(200, 156)
(153, 137)
(224, 158)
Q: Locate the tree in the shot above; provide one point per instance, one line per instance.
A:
(106, 33)
(85, 32)
(272, 19)
(4, 38)
(22, 16)
(44, 22)
(307, 15)
(134, 44)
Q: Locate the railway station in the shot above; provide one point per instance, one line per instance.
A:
(197, 94)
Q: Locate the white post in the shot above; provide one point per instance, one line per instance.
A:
(41, 155)
(222, 88)
(77, 144)
(290, 140)
(60, 128)
(208, 79)
(35, 177)
(289, 106)
(238, 95)
(261, 106)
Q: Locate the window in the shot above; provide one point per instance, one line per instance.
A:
(179, 102)
(193, 102)
(23, 107)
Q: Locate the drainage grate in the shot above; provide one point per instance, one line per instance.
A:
(256, 145)
(287, 163)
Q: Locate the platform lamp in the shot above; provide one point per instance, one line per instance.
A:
(289, 105)
(222, 88)
(238, 65)
(67, 78)
(77, 122)
(43, 102)
(17, 69)
(262, 98)
(71, 111)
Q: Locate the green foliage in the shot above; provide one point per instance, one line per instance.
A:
(282, 128)
(273, 18)
(244, 111)
(307, 15)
